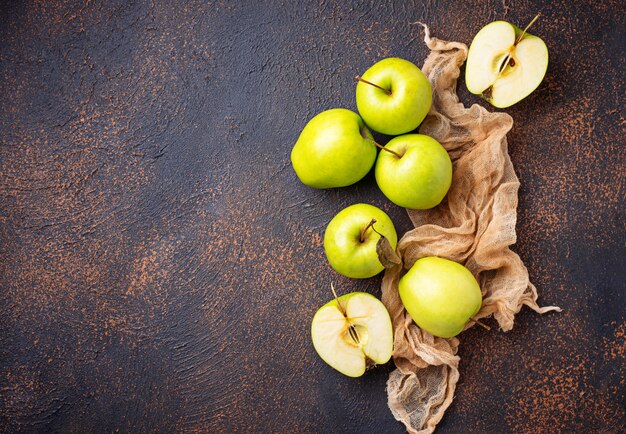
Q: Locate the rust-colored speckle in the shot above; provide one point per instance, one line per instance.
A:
(615, 347)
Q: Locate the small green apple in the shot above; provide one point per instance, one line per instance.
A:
(335, 149)
(351, 331)
(505, 64)
(440, 295)
(351, 237)
(417, 174)
(393, 96)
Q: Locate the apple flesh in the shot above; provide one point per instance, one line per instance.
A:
(440, 295)
(400, 100)
(335, 149)
(349, 342)
(503, 68)
(420, 178)
(350, 240)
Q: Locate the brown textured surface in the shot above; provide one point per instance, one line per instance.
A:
(160, 263)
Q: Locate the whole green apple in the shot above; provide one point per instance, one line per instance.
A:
(440, 295)
(335, 149)
(351, 237)
(505, 64)
(351, 331)
(393, 96)
(417, 174)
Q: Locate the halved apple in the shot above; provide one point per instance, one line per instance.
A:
(352, 332)
(505, 64)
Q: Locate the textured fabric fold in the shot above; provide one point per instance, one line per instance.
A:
(474, 225)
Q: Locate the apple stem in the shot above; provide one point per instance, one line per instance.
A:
(385, 149)
(369, 225)
(332, 288)
(527, 27)
(351, 328)
(388, 92)
(483, 325)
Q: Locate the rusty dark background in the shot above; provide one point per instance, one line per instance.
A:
(160, 263)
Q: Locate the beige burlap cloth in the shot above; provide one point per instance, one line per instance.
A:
(474, 225)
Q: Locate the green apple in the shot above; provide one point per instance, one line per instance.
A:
(335, 149)
(440, 295)
(505, 64)
(351, 237)
(351, 331)
(393, 96)
(416, 174)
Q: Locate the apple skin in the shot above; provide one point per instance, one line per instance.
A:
(345, 251)
(371, 320)
(405, 108)
(440, 295)
(335, 149)
(418, 180)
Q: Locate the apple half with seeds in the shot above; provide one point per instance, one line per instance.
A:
(353, 332)
(505, 64)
